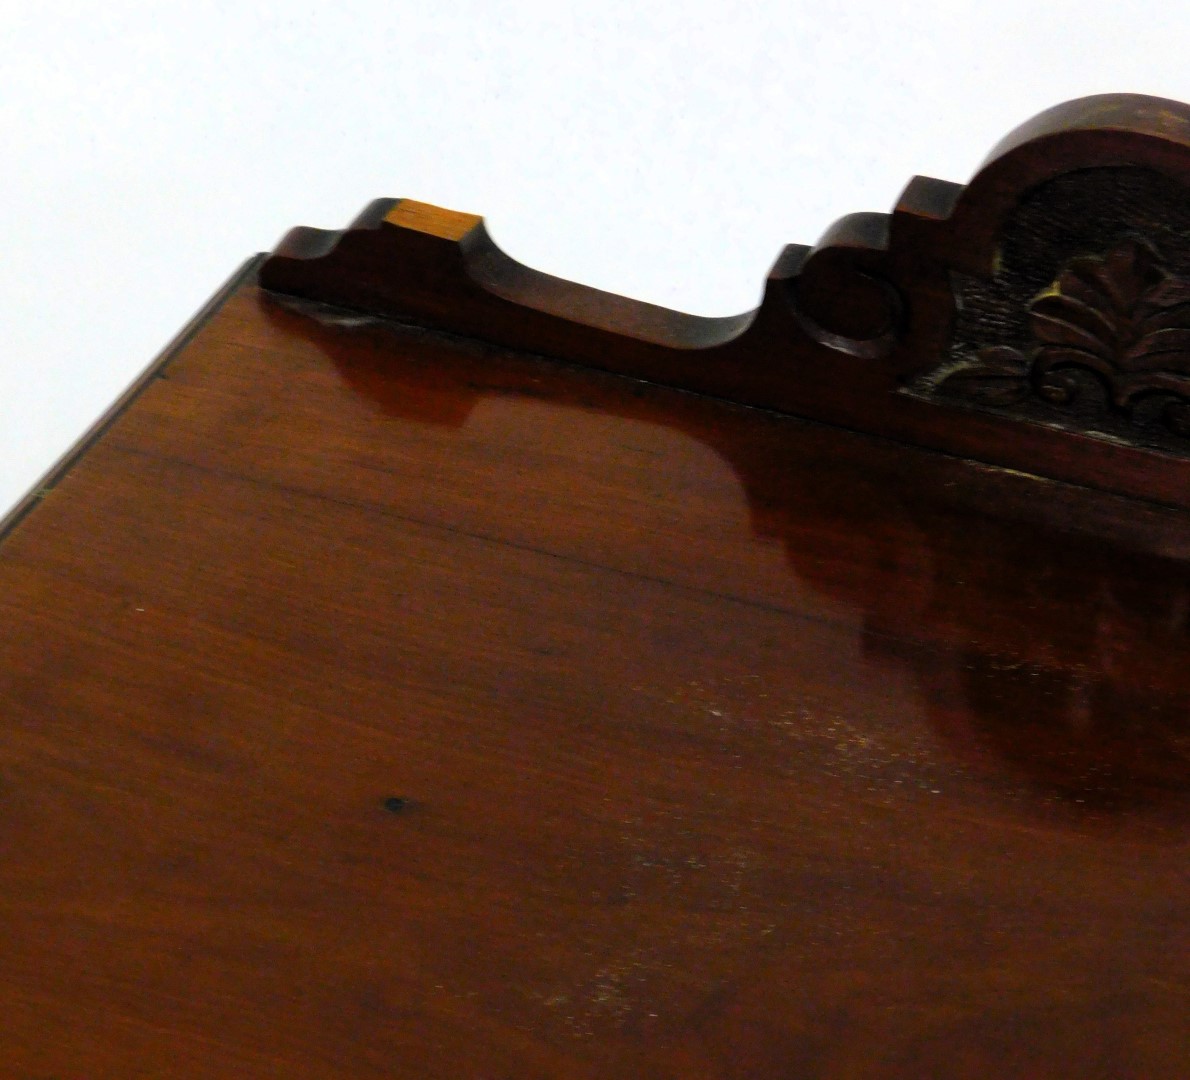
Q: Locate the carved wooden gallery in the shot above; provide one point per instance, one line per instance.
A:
(432, 668)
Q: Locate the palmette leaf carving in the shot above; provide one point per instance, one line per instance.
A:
(1122, 316)
(999, 375)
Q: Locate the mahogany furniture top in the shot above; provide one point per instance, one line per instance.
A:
(390, 695)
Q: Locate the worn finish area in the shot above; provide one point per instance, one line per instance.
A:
(381, 704)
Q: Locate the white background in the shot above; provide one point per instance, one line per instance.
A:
(661, 149)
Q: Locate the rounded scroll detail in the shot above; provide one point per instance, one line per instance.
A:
(842, 297)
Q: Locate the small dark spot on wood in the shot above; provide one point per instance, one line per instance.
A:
(394, 804)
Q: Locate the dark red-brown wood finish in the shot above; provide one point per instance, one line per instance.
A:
(381, 701)
(1038, 318)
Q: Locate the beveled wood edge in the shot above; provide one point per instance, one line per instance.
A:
(54, 475)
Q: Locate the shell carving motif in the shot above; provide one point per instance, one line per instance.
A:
(1122, 316)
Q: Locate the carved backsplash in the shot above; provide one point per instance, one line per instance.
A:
(1085, 324)
(1037, 318)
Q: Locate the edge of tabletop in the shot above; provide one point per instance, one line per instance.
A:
(70, 458)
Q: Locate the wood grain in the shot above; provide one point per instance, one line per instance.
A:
(432, 220)
(380, 704)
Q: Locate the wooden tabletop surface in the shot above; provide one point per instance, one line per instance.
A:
(377, 704)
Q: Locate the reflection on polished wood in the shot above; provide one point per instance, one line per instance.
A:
(380, 704)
